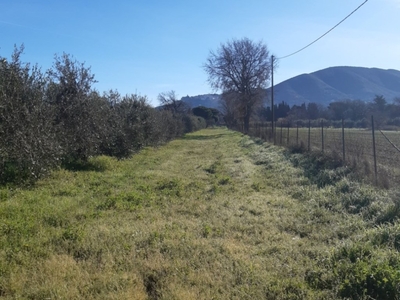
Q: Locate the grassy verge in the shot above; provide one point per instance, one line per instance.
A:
(214, 215)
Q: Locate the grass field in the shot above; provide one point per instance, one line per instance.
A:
(214, 215)
(358, 147)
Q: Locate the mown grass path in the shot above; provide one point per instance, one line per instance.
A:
(207, 216)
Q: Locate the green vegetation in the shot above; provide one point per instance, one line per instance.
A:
(213, 215)
(354, 113)
(211, 115)
(358, 148)
(54, 119)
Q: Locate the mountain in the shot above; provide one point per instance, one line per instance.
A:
(325, 86)
(339, 83)
(208, 100)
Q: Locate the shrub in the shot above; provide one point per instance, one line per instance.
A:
(322, 169)
(193, 123)
(394, 122)
(364, 272)
(391, 213)
(349, 123)
(363, 123)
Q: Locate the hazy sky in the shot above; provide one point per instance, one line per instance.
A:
(152, 46)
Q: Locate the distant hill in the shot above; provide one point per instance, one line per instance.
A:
(339, 83)
(325, 86)
(208, 100)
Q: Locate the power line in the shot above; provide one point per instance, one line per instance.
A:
(325, 32)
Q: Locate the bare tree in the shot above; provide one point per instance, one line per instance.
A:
(169, 101)
(241, 70)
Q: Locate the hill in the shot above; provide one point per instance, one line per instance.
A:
(207, 100)
(339, 83)
(325, 86)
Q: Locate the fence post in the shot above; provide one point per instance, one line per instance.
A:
(322, 134)
(309, 135)
(374, 149)
(297, 134)
(281, 131)
(261, 129)
(343, 145)
(288, 133)
(271, 136)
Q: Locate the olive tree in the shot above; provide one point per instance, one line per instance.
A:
(182, 120)
(75, 106)
(241, 70)
(138, 119)
(28, 145)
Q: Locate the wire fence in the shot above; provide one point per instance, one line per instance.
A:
(375, 152)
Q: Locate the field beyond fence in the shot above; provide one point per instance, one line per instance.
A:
(376, 153)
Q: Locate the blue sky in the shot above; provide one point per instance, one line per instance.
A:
(153, 46)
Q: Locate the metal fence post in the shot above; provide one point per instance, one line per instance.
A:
(288, 133)
(343, 145)
(374, 149)
(309, 135)
(322, 134)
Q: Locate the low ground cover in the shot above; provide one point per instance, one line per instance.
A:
(358, 148)
(214, 215)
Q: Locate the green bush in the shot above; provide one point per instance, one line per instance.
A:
(321, 169)
(193, 123)
(364, 272)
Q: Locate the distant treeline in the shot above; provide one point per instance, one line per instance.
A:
(56, 118)
(355, 113)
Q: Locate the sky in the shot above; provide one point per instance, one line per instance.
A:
(148, 47)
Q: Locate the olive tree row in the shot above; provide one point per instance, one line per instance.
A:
(54, 118)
